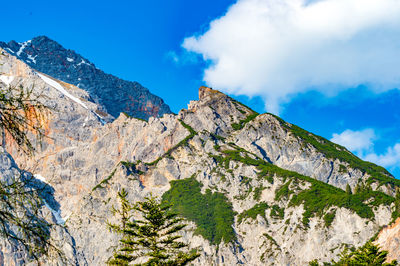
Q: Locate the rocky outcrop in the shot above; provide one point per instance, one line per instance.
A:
(14, 252)
(113, 95)
(272, 174)
(389, 239)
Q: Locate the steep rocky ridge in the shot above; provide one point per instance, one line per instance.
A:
(113, 95)
(280, 188)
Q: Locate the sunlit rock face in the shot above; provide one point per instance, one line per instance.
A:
(389, 239)
(269, 172)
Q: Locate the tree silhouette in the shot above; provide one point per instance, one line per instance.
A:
(151, 240)
(21, 222)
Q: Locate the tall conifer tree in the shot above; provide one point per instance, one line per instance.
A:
(152, 240)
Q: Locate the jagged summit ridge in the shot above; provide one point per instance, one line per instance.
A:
(114, 95)
(282, 186)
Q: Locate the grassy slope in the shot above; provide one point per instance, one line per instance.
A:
(335, 151)
(318, 198)
(212, 212)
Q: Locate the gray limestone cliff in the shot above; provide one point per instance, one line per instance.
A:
(283, 186)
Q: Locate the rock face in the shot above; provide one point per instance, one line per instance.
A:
(112, 94)
(281, 185)
(389, 239)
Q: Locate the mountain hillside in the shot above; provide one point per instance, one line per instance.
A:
(113, 94)
(256, 189)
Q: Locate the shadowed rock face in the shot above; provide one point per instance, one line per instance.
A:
(87, 162)
(114, 95)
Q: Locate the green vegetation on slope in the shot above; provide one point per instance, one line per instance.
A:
(283, 191)
(319, 197)
(181, 143)
(277, 212)
(329, 217)
(243, 122)
(129, 116)
(212, 212)
(258, 209)
(369, 254)
(237, 103)
(335, 151)
(104, 181)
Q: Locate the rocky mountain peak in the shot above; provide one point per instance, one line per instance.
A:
(43, 40)
(112, 94)
(256, 189)
(206, 94)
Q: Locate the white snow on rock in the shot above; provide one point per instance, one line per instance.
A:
(23, 45)
(56, 214)
(6, 79)
(70, 59)
(83, 62)
(61, 89)
(11, 51)
(33, 59)
(40, 177)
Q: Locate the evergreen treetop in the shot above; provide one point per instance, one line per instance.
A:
(367, 255)
(153, 239)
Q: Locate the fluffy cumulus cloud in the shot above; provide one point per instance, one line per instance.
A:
(279, 48)
(356, 141)
(361, 143)
(391, 158)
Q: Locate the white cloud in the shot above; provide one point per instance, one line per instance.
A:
(361, 143)
(356, 141)
(391, 158)
(278, 48)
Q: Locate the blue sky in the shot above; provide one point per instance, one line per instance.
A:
(329, 66)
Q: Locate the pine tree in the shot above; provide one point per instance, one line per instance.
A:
(367, 255)
(348, 189)
(123, 255)
(370, 255)
(21, 222)
(151, 240)
(21, 112)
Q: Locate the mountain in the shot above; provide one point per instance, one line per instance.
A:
(113, 94)
(256, 189)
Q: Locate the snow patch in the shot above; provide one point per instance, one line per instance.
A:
(11, 51)
(61, 89)
(6, 79)
(56, 214)
(33, 59)
(70, 59)
(100, 118)
(23, 45)
(83, 62)
(40, 177)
